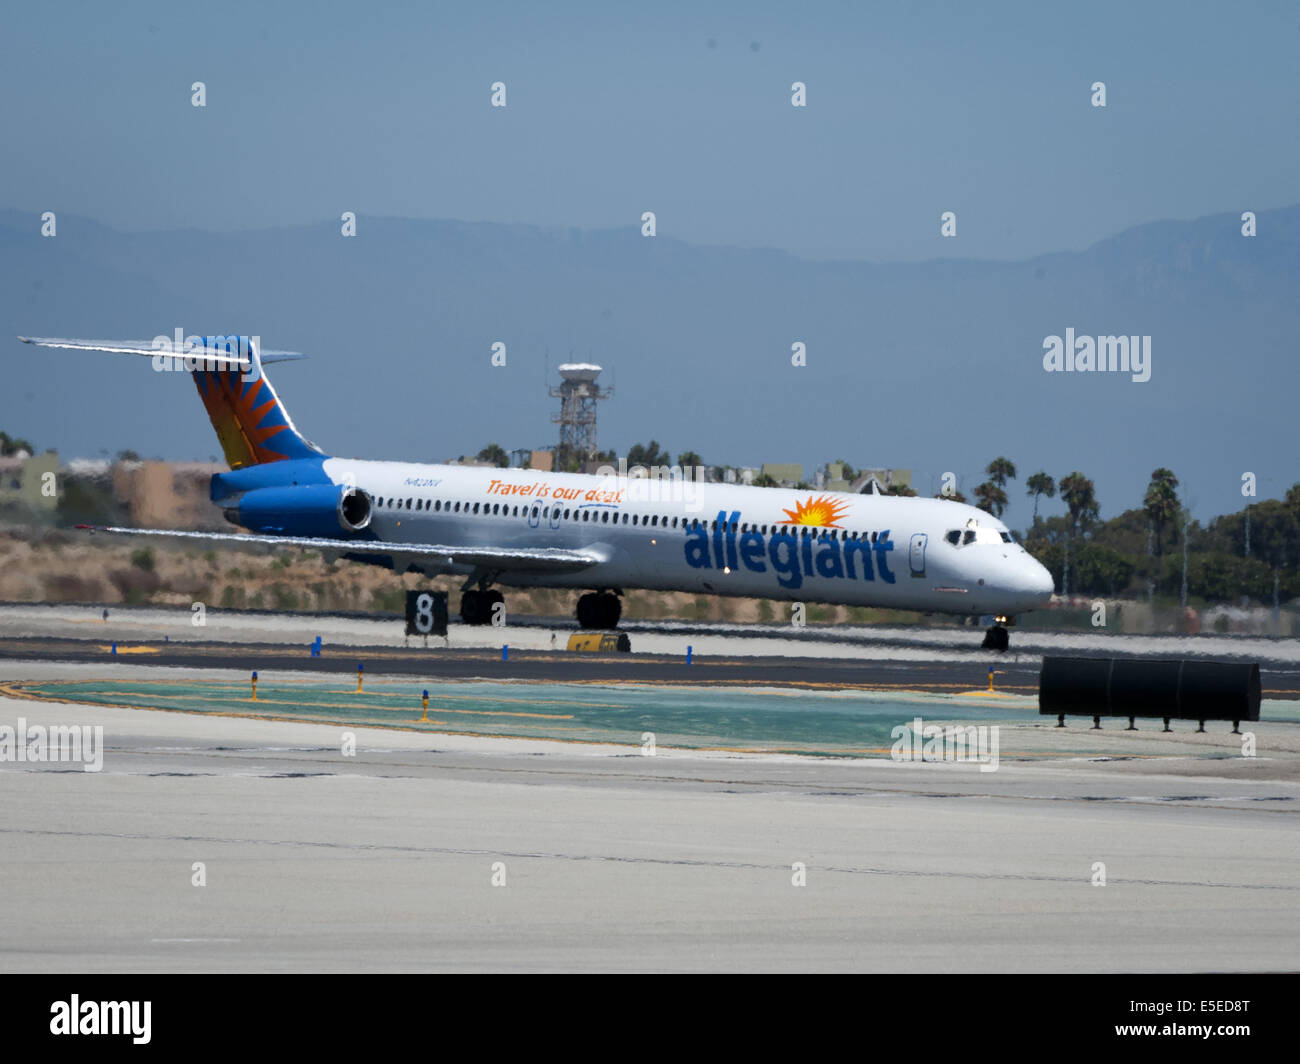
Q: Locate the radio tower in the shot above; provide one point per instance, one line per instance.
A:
(578, 395)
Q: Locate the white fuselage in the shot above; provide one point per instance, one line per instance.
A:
(723, 539)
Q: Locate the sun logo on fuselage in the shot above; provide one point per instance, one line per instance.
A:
(823, 512)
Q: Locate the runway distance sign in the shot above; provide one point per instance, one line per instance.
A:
(426, 613)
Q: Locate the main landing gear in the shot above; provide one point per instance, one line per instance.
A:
(997, 637)
(477, 605)
(599, 609)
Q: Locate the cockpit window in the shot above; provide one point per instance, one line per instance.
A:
(1006, 537)
(969, 537)
(954, 537)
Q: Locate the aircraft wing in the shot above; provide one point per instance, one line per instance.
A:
(513, 559)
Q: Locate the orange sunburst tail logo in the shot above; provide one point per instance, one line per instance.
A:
(821, 511)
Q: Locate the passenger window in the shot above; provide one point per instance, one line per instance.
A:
(408, 504)
(605, 517)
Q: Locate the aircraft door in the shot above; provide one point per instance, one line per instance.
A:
(916, 553)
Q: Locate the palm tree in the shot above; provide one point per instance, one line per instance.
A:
(1040, 484)
(1080, 498)
(1001, 470)
(495, 454)
(1161, 503)
(12, 445)
(648, 455)
(1276, 537)
(689, 460)
(991, 497)
(1292, 495)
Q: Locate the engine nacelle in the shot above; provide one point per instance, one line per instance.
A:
(322, 510)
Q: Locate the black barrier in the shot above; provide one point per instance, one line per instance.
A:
(1145, 687)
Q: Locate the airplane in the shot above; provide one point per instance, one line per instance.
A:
(601, 534)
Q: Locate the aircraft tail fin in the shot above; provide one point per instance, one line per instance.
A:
(250, 420)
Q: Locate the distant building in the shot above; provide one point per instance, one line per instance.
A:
(22, 480)
(786, 474)
(88, 467)
(168, 494)
(541, 460)
(739, 474)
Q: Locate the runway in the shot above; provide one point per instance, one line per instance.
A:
(337, 833)
(937, 660)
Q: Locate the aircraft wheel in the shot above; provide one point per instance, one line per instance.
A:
(599, 610)
(490, 601)
(611, 609)
(588, 611)
(474, 608)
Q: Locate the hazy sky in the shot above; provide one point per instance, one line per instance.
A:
(680, 108)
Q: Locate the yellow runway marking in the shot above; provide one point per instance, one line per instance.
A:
(987, 694)
(262, 700)
(222, 686)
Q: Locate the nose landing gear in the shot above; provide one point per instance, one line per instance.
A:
(997, 637)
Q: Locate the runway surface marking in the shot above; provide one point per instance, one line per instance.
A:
(853, 724)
